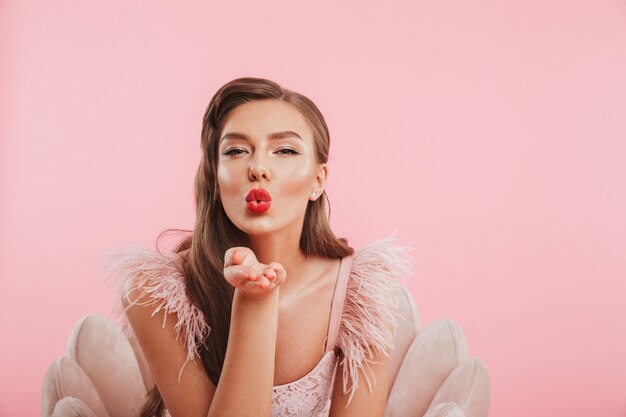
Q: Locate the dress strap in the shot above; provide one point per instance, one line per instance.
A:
(337, 304)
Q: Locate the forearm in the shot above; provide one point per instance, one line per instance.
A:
(245, 385)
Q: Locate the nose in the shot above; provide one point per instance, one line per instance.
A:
(258, 169)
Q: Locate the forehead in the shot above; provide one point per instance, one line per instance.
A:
(259, 118)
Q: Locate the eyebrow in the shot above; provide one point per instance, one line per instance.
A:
(272, 136)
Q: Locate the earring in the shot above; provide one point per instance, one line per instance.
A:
(314, 193)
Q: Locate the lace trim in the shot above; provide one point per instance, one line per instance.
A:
(309, 395)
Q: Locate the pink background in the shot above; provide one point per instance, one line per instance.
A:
(491, 134)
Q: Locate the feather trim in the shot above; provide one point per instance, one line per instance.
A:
(370, 311)
(161, 278)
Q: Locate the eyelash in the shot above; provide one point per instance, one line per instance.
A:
(230, 151)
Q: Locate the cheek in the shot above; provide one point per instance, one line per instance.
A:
(297, 179)
(228, 186)
(225, 177)
(300, 173)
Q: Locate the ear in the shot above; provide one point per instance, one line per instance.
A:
(319, 182)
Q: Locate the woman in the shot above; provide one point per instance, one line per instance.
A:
(263, 310)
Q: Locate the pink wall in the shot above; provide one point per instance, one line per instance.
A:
(492, 134)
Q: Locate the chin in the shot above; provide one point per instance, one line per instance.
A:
(252, 225)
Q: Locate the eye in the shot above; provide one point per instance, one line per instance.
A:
(231, 151)
(290, 151)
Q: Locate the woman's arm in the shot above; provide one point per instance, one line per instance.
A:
(165, 356)
(364, 403)
(245, 386)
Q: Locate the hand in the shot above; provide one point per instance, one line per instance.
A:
(254, 279)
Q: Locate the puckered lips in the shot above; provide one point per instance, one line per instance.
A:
(259, 200)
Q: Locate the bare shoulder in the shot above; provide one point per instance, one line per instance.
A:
(166, 354)
(367, 400)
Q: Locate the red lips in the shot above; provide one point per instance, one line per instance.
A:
(259, 200)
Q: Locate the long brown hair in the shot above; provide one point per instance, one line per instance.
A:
(214, 233)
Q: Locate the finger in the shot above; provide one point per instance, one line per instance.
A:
(270, 274)
(236, 274)
(236, 255)
(230, 256)
(256, 286)
(264, 282)
(281, 274)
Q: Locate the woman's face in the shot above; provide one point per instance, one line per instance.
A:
(253, 153)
